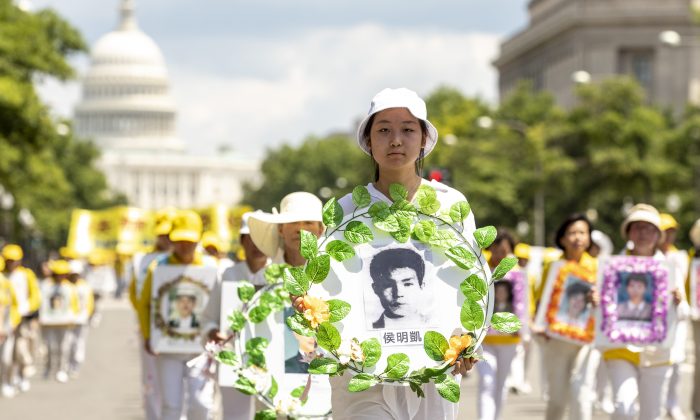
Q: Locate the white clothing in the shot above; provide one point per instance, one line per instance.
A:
(631, 383)
(696, 376)
(493, 371)
(175, 381)
(58, 341)
(78, 346)
(150, 388)
(20, 283)
(571, 371)
(236, 405)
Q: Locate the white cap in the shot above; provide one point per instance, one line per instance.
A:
(399, 98)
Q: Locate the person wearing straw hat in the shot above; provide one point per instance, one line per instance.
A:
(397, 135)
(174, 378)
(236, 405)
(60, 302)
(694, 254)
(641, 374)
(79, 331)
(9, 320)
(141, 263)
(26, 287)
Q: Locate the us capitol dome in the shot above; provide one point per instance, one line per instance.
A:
(127, 110)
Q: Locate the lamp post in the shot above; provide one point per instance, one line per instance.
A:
(538, 216)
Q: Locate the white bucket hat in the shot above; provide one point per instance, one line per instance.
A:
(399, 98)
(695, 233)
(641, 213)
(295, 207)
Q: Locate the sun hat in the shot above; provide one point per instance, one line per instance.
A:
(399, 98)
(295, 207)
(12, 252)
(641, 213)
(668, 222)
(59, 267)
(522, 251)
(695, 233)
(245, 229)
(603, 242)
(187, 227)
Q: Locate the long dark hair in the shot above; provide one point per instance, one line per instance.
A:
(576, 217)
(421, 156)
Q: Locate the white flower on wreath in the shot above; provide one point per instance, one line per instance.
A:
(287, 406)
(261, 379)
(350, 350)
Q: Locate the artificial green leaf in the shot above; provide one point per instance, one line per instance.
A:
(397, 192)
(237, 320)
(245, 291)
(332, 213)
(309, 244)
(459, 211)
(397, 365)
(268, 414)
(228, 358)
(378, 209)
(340, 250)
(471, 315)
(505, 322)
(417, 388)
(327, 336)
(295, 281)
(485, 236)
(298, 392)
(244, 385)
(403, 208)
(424, 230)
(426, 197)
(435, 345)
(300, 325)
(256, 344)
(323, 366)
(357, 232)
(361, 382)
(274, 273)
(259, 313)
(317, 269)
(462, 257)
(386, 221)
(504, 267)
(257, 358)
(443, 238)
(448, 388)
(273, 388)
(474, 287)
(361, 197)
(338, 309)
(372, 350)
(272, 301)
(403, 233)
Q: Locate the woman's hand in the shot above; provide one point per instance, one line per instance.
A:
(464, 365)
(147, 347)
(297, 303)
(677, 296)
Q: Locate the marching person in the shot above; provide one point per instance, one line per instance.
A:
(59, 308)
(398, 136)
(570, 368)
(26, 339)
(79, 332)
(517, 382)
(9, 320)
(236, 405)
(499, 349)
(174, 377)
(214, 246)
(641, 374)
(694, 253)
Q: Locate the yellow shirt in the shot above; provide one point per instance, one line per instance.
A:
(33, 296)
(9, 298)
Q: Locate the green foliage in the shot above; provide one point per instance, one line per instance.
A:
(338, 310)
(448, 388)
(435, 345)
(472, 316)
(357, 232)
(397, 365)
(505, 322)
(372, 351)
(296, 282)
(474, 287)
(328, 336)
(504, 267)
(323, 366)
(361, 197)
(485, 236)
(309, 244)
(317, 269)
(339, 250)
(332, 213)
(245, 291)
(361, 382)
(462, 257)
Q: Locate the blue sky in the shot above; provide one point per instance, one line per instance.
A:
(253, 74)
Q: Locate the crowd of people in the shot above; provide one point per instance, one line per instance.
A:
(627, 381)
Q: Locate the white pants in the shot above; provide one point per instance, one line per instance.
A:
(6, 351)
(78, 346)
(571, 370)
(236, 405)
(696, 376)
(518, 369)
(631, 383)
(58, 341)
(149, 385)
(383, 402)
(493, 371)
(175, 382)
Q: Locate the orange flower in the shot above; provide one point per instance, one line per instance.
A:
(457, 345)
(315, 310)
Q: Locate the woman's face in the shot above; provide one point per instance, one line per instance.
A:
(645, 236)
(395, 139)
(577, 304)
(577, 237)
(291, 233)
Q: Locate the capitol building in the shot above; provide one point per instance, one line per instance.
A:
(127, 110)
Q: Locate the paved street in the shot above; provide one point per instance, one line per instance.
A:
(108, 387)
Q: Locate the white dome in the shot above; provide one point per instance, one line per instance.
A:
(129, 46)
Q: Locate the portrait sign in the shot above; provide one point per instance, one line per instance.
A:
(695, 288)
(511, 294)
(58, 304)
(564, 312)
(180, 294)
(635, 302)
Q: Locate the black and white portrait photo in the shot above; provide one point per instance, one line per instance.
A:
(185, 308)
(399, 286)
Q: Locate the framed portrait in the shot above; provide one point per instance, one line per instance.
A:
(57, 304)
(635, 302)
(564, 312)
(694, 288)
(180, 294)
(511, 294)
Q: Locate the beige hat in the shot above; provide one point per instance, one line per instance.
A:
(295, 207)
(641, 213)
(695, 233)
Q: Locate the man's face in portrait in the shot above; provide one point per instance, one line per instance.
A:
(635, 289)
(400, 294)
(185, 306)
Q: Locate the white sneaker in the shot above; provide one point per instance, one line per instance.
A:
(676, 413)
(8, 391)
(24, 385)
(62, 377)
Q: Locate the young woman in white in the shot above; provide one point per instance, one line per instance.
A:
(397, 135)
